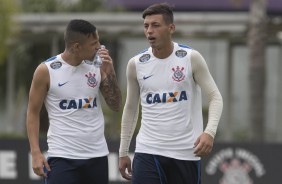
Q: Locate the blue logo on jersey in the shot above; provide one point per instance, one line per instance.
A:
(166, 97)
(78, 103)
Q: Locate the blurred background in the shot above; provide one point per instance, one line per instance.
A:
(241, 41)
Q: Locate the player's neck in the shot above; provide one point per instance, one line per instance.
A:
(70, 58)
(163, 52)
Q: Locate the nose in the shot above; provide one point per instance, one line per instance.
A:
(149, 29)
(97, 46)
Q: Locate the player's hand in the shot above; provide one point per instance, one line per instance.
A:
(38, 161)
(203, 145)
(125, 167)
(107, 65)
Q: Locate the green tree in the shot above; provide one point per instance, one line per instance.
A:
(8, 30)
(7, 27)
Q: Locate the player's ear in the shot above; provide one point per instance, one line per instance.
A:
(172, 28)
(76, 47)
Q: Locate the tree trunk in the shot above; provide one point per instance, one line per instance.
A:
(256, 44)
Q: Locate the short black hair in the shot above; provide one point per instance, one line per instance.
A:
(76, 28)
(160, 8)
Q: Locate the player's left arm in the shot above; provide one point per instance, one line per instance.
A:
(109, 84)
(203, 78)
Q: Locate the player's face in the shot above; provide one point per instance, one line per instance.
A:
(89, 47)
(157, 31)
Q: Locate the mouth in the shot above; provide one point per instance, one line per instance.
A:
(151, 39)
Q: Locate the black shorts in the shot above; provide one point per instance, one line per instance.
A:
(77, 171)
(155, 169)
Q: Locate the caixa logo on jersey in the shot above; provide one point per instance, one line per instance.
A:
(235, 166)
(78, 103)
(166, 97)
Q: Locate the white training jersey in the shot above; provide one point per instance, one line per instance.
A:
(171, 104)
(76, 120)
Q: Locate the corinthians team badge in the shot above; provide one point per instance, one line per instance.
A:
(178, 74)
(91, 80)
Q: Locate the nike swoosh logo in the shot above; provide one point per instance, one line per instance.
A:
(146, 77)
(59, 84)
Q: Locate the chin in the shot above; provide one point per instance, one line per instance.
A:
(152, 44)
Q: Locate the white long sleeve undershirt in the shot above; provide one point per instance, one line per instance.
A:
(202, 77)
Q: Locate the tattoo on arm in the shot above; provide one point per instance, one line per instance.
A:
(111, 92)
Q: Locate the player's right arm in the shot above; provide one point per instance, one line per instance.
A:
(202, 76)
(129, 119)
(37, 94)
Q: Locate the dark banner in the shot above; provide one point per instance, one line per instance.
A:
(243, 164)
(228, 163)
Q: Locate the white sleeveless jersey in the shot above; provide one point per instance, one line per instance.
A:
(76, 120)
(171, 104)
